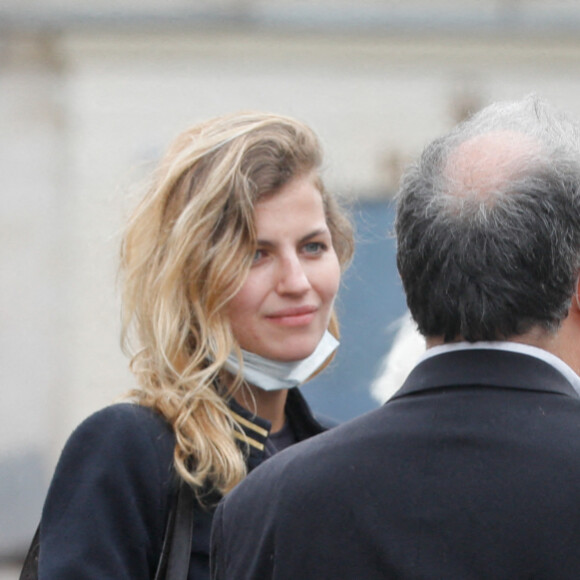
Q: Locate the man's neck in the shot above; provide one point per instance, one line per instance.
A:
(564, 343)
(537, 337)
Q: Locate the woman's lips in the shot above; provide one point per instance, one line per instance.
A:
(299, 316)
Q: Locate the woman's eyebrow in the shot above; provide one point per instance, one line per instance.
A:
(308, 236)
(314, 234)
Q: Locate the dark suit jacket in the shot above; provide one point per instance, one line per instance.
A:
(472, 471)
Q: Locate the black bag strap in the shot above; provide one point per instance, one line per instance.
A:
(30, 567)
(176, 548)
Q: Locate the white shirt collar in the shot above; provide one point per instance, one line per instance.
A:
(518, 347)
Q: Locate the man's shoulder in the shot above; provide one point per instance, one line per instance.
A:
(310, 461)
(285, 493)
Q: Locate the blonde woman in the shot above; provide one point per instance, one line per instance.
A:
(230, 266)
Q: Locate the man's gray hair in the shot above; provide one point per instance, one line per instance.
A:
(488, 245)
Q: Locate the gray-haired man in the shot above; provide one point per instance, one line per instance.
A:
(472, 470)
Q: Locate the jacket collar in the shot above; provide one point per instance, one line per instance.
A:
(486, 367)
(256, 429)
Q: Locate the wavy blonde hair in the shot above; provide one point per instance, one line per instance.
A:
(186, 252)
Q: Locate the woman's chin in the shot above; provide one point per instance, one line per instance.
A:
(289, 355)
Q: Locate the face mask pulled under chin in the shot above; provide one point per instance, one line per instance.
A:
(272, 375)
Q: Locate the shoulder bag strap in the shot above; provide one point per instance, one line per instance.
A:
(175, 552)
(30, 566)
(176, 548)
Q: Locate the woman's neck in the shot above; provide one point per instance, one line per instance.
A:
(268, 405)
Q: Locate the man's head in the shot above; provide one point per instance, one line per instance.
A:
(488, 225)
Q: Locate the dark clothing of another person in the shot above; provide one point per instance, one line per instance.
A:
(109, 500)
(471, 472)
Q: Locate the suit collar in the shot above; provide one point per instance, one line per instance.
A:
(486, 367)
(512, 346)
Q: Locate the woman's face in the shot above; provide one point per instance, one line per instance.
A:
(284, 306)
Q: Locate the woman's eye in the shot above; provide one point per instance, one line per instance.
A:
(258, 255)
(315, 247)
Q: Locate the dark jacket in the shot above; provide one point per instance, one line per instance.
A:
(471, 472)
(109, 499)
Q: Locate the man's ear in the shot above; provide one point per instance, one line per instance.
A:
(576, 299)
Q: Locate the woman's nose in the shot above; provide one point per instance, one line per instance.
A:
(292, 277)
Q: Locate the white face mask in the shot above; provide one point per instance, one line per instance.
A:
(272, 375)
